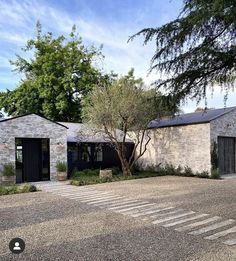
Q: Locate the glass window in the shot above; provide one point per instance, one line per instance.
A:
(98, 154)
(45, 159)
(86, 153)
(19, 160)
(19, 153)
(73, 152)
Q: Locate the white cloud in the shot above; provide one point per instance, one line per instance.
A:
(17, 25)
(120, 55)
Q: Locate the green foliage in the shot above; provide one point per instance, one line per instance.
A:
(8, 190)
(169, 169)
(197, 49)
(116, 171)
(127, 105)
(188, 172)
(32, 188)
(203, 174)
(85, 172)
(106, 179)
(61, 166)
(214, 156)
(215, 174)
(56, 77)
(88, 177)
(8, 170)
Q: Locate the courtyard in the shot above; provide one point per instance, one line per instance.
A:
(63, 222)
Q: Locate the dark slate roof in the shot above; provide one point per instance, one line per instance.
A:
(190, 118)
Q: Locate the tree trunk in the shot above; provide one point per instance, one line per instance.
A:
(125, 167)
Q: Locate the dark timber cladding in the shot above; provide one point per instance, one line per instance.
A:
(94, 155)
(226, 148)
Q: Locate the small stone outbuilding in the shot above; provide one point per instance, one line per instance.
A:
(201, 140)
(33, 144)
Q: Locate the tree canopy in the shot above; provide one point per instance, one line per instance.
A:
(125, 104)
(196, 50)
(55, 79)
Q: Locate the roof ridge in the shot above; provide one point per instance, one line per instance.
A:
(205, 116)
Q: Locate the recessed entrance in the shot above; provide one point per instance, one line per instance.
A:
(226, 146)
(32, 160)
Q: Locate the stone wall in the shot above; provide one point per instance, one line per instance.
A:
(33, 126)
(224, 126)
(180, 145)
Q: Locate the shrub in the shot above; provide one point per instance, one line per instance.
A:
(116, 171)
(8, 170)
(23, 189)
(8, 190)
(215, 174)
(85, 172)
(61, 166)
(152, 168)
(74, 182)
(170, 170)
(91, 172)
(188, 172)
(32, 188)
(179, 171)
(203, 174)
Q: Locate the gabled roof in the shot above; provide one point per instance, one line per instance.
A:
(78, 132)
(191, 118)
(12, 118)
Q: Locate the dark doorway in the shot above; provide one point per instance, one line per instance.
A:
(32, 160)
(226, 146)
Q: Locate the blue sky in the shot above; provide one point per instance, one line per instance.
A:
(99, 22)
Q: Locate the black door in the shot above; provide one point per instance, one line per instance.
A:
(226, 155)
(32, 160)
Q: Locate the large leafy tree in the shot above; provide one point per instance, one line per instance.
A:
(125, 104)
(56, 78)
(196, 50)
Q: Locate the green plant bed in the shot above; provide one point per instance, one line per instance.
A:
(16, 189)
(91, 176)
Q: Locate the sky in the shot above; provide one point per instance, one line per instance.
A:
(107, 22)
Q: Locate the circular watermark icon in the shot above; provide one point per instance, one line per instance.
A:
(17, 245)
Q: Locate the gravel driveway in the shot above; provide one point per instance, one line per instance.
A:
(55, 227)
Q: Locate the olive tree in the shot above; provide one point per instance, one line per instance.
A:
(124, 104)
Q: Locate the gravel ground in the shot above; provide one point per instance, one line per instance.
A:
(216, 197)
(56, 228)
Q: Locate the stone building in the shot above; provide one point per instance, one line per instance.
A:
(201, 140)
(34, 144)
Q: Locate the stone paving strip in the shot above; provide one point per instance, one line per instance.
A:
(212, 227)
(179, 219)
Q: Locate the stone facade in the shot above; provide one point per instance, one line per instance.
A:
(224, 126)
(187, 145)
(33, 126)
